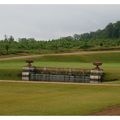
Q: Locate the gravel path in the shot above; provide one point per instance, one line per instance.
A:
(114, 110)
(39, 82)
(73, 53)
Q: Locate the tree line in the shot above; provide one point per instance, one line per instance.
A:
(109, 37)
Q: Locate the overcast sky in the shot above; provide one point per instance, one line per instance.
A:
(45, 22)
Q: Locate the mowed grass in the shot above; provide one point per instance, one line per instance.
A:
(72, 60)
(55, 99)
(59, 99)
(11, 69)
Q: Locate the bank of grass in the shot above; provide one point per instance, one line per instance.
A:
(113, 57)
(11, 69)
(55, 99)
(10, 74)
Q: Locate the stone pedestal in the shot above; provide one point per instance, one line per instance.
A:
(27, 70)
(96, 74)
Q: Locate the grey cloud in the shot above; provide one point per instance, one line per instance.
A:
(54, 21)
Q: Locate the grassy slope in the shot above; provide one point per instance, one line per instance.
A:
(58, 99)
(10, 69)
(55, 99)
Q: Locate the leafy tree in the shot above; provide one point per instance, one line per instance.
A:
(6, 44)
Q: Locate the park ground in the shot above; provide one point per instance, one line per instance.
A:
(22, 98)
(11, 67)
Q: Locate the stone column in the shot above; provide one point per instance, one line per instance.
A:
(28, 70)
(96, 74)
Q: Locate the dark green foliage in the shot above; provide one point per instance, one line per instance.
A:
(11, 74)
(111, 31)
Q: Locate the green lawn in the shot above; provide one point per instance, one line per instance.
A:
(11, 69)
(105, 57)
(59, 99)
(55, 99)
